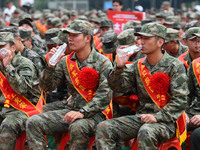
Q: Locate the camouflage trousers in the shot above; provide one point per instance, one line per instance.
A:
(124, 128)
(51, 123)
(12, 126)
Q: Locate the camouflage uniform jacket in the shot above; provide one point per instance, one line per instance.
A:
(51, 77)
(35, 58)
(121, 80)
(193, 103)
(188, 58)
(37, 42)
(23, 78)
(182, 49)
(38, 50)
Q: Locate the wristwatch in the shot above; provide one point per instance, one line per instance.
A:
(82, 111)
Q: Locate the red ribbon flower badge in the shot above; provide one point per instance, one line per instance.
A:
(88, 77)
(160, 82)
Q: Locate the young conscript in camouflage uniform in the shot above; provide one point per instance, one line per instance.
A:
(172, 44)
(193, 52)
(193, 105)
(154, 121)
(22, 83)
(78, 117)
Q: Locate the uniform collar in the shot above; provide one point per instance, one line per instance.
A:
(162, 61)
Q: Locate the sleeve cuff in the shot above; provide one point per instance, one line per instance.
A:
(158, 116)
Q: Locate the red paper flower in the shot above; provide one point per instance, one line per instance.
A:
(88, 78)
(160, 82)
(133, 98)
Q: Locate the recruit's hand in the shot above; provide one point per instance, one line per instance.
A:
(8, 58)
(51, 53)
(72, 116)
(148, 118)
(195, 120)
(121, 61)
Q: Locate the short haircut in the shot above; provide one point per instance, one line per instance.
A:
(118, 1)
(11, 43)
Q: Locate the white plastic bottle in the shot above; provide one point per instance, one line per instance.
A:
(128, 50)
(57, 55)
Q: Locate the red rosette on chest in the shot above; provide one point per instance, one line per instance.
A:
(88, 78)
(160, 82)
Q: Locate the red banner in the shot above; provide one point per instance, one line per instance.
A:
(119, 18)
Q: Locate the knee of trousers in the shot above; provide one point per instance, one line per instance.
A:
(145, 133)
(33, 121)
(78, 127)
(102, 129)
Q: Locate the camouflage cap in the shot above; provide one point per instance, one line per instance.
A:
(94, 19)
(170, 20)
(46, 11)
(152, 17)
(61, 38)
(126, 37)
(21, 22)
(66, 12)
(50, 15)
(161, 15)
(13, 29)
(14, 22)
(145, 21)
(106, 23)
(25, 34)
(197, 16)
(102, 15)
(177, 25)
(192, 33)
(56, 22)
(17, 11)
(93, 12)
(191, 24)
(37, 15)
(73, 13)
(49, 34)
(80, 26)
(64, 18)
(6, 37)
(26, 16)
(131, 24)
(82, 17)
(172, 35)
(109, 42)
(152, 29)
(49, 21)
(165, 3)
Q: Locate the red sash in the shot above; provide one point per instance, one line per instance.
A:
(88, 95)
(47, 57)
(181, 58)
(19, 102)
(196, 68)
(97, 41)
(99, 48)
(161, 100)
